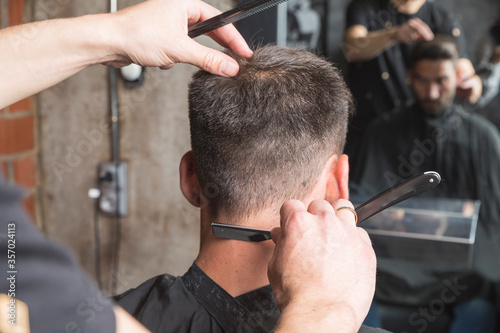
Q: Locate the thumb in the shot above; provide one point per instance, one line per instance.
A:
(208, 59)
(276, 234)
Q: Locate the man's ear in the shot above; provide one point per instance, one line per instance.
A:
(190, 185)
(338, 184)
(342, 171)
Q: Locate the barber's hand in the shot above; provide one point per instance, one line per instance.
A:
(413, 30)
(322, 262)
(470, 90)
(155, 34)
(469, 85)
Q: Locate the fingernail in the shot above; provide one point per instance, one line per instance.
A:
(229, 68)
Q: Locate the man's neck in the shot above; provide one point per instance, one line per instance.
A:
(408, 6)
(237, 266)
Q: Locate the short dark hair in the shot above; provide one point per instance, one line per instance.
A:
(442, 47)
(264, 136)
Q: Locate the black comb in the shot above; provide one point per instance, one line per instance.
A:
(231, 16)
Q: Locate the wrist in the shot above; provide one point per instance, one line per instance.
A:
(102, 38)
(394, 34)
(317, 317)
(119, 29)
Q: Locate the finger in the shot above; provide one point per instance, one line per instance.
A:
(364, 235)
(117, 64)
(466, 84)
(230, 38)
(465, 68)
(276, 235)
(320, 207)
(200, 11)
(342, 203)
(169, 66)
(422, 28)
(208, 59)
(346, 215)
(416, 36)
(290, 208)
(226, 36)
(474, 84)
(407, 33)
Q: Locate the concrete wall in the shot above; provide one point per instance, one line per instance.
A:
(161, 232)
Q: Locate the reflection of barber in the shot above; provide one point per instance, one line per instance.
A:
(304, 23)
(378, 41)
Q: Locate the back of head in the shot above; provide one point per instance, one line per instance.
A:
(442, 47)
(264, 136)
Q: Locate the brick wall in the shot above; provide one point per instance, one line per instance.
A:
(17, 127)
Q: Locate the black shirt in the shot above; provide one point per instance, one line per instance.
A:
(464, 149)
(378, 85)
(60, 298)
(195, 303)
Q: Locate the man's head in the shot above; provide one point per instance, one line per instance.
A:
(433, 74)
(264, 136)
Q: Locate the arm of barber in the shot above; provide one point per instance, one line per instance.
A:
(38, 55)
(323, 268)
(470, 85)
(362, 45)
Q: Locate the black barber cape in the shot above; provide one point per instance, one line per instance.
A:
(195, 303)
(464, 149)
(46, 277)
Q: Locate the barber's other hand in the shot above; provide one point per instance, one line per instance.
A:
(322, 264)
(469, 85)
(155, 34)
(413, 30)
(470, 90)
